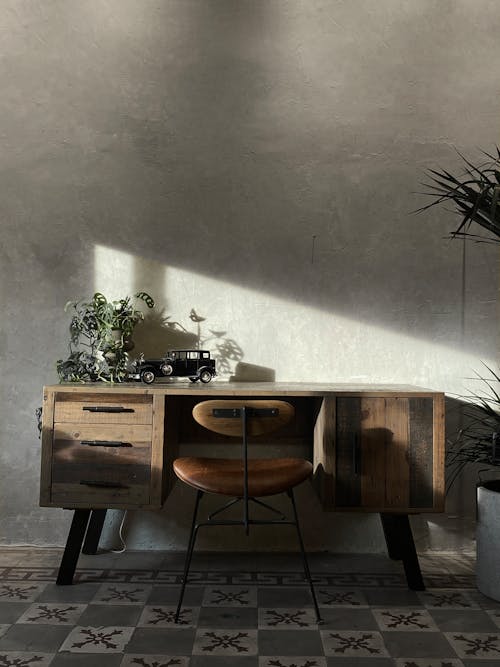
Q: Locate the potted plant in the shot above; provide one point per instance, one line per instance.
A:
(475, 196)
(479, 443)
(101, 337)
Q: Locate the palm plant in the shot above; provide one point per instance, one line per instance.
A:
(474, 195)
(479, 441)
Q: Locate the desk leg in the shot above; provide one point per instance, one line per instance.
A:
(94, 531)
(73, 547)
(400, 546)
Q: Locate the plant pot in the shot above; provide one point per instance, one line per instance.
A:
(488, 538)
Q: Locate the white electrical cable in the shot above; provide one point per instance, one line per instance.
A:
(120, 536)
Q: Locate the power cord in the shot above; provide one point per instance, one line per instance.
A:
(123, 546)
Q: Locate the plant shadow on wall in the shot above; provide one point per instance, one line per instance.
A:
(160, 333)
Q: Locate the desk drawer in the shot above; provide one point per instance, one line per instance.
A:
(103, 409)
(101, 463)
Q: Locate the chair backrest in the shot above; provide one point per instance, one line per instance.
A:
(225, 416)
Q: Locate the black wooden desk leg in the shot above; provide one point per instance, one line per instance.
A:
(73, 547)
(94, 531)
(400, 546)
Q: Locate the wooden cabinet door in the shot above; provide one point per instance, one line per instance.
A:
(387, 457)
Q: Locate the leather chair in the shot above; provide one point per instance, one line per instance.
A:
(245, 479)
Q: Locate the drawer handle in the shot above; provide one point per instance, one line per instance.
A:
(107, 408)
(103, 485)
(105, 443)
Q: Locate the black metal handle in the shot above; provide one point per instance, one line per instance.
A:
(107, 408)
(105, 443)
(104, 485)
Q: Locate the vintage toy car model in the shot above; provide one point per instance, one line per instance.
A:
(194, 364)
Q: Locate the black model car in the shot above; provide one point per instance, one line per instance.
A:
(194, 364)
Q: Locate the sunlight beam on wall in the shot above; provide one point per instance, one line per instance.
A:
(113, 272)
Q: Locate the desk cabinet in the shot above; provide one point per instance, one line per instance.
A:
(102, 450)
(381, 454)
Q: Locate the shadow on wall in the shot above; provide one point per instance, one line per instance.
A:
(160, 333)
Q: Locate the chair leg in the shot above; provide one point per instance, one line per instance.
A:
(307, 572)
(189, 554)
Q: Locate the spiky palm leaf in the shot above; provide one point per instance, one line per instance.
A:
(475, 196)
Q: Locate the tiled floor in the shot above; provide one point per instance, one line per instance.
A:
(242, 610)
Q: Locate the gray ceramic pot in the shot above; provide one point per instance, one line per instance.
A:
(488, 538)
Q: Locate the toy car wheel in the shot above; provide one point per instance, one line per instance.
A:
(148, 376)
(167, 369)
(205, 376)
(194, 379)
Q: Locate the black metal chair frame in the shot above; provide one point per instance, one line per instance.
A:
(244, 413)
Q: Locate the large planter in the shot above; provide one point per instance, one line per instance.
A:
(488, 538)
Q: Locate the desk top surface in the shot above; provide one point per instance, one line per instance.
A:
(222, 388)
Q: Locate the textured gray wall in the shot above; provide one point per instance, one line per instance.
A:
(256, 161)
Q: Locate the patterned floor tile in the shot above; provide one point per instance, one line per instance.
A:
(428, 662)
(136, 660)
(230, 596)
(290, 642)
(282, 596)
(287, 618)
(162, 641)
(169, 595)
(122, 594)
(395, 619)
(494, 614)
(11, 611)
(348, 619)
(353, 643)
(475, 644)
(228, 617)
(111, 639)
(26, 637)
(391, 597)
(155, 616)
(292, 661)
(224, 661)
(227, 642)
(359, 662)
(25, 659)
(52, 614)
(447, 599)
(87, 660)
(421, 644)
(106, 614)
(337, 597)
(15, 592)
(78, 593)
(473, 620)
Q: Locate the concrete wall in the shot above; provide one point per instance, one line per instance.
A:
(255, 161)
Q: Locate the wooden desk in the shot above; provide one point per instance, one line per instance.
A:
(375, 448)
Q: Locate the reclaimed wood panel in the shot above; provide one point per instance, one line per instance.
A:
(369, 454)
(71, 408)
(420, 452)
(396, 456)
(348, 428)
(75, 495)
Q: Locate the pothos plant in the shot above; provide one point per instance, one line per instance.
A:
(101, 337)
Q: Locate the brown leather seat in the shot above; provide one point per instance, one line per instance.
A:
(266, 477)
